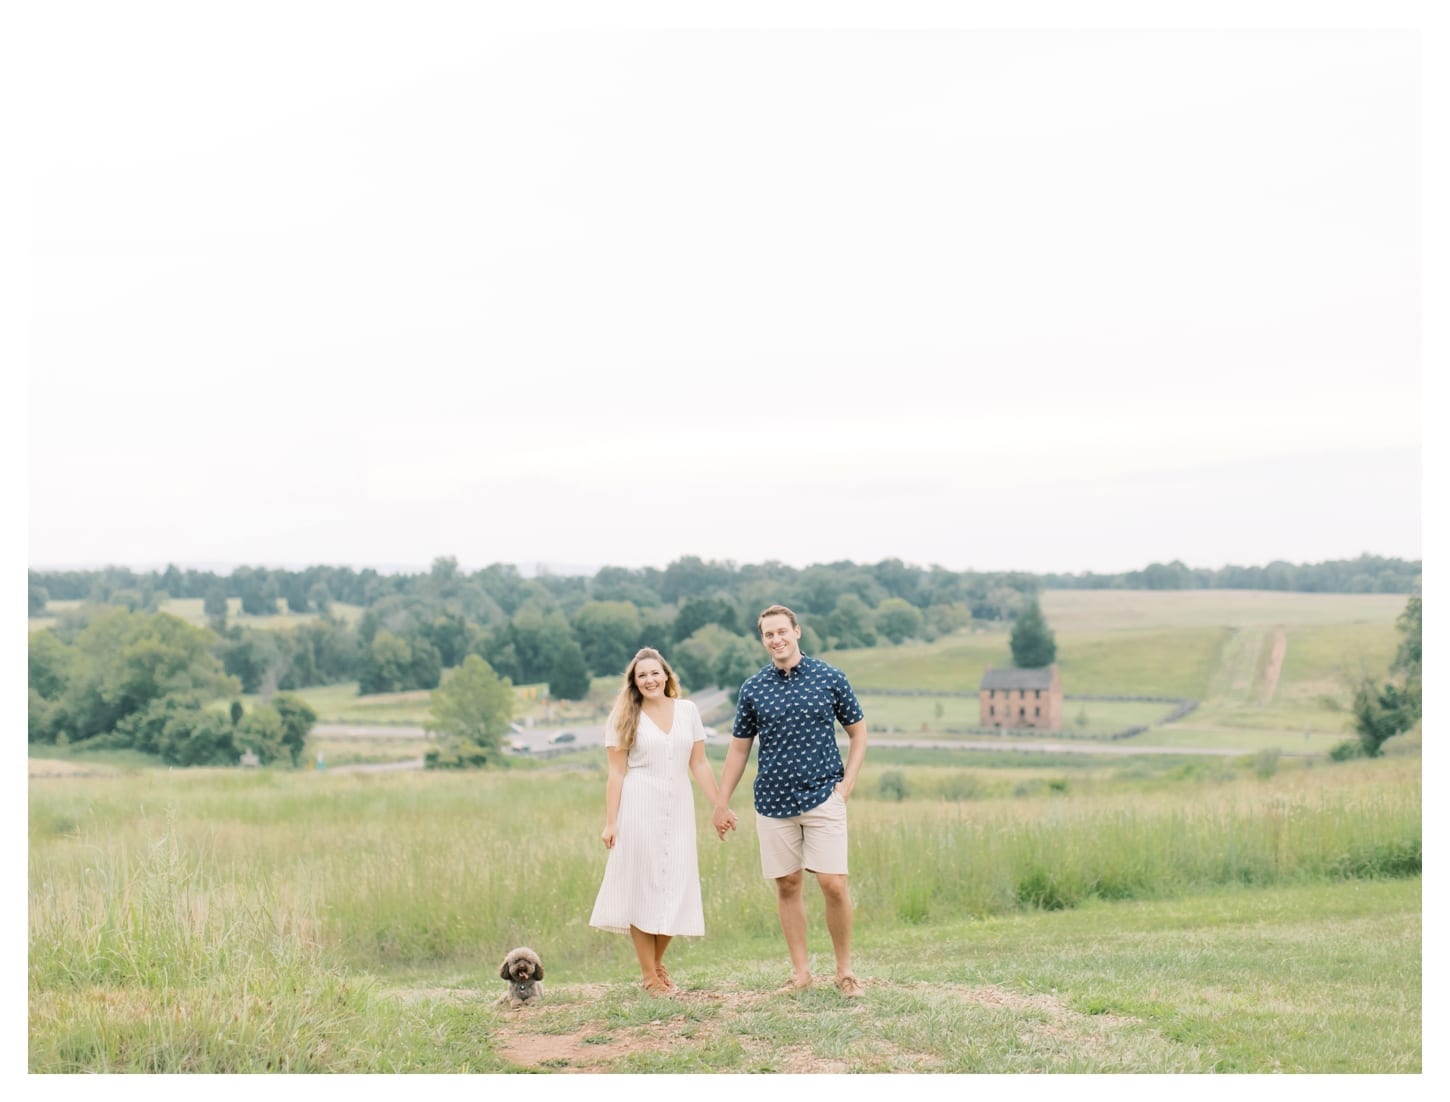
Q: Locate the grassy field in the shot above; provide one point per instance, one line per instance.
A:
(1073, 916)
(1063, 912)
(1216, 647)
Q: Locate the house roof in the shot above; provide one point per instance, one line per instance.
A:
(1017, 679)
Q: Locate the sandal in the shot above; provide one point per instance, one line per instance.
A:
(665, 978)
(655, 987)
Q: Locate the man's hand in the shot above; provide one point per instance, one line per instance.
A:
(723, 819)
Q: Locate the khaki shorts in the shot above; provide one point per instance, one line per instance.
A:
(814, 841)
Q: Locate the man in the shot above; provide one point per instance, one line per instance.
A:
(801, 786)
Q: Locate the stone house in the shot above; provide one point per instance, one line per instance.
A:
(1021, 698)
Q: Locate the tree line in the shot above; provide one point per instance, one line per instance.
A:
(148, 681)
(1365, 574)
(119, 667)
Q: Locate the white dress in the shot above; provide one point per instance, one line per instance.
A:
(652, 877)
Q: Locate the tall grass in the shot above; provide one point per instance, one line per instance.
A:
(161, 879)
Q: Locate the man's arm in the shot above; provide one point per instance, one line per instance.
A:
(854, 757)
(735, 760)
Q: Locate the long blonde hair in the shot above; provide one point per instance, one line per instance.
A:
(624, 717)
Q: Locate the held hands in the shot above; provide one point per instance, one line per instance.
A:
(608, 836)
(724, 819)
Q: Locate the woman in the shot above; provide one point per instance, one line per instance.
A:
(651, 888)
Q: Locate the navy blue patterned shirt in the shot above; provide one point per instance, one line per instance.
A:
(794, 712)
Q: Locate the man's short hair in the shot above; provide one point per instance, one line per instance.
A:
(776, 610)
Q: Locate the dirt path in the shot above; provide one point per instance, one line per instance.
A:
(568, 1033)
(1277, 650)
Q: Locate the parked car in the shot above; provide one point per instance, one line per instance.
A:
(518, 747)
(562, 736)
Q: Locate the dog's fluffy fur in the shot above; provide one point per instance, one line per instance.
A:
(523, 970)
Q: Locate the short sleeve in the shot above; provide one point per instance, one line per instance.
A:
(745, 722)
(611, 734)
(697, 733)
(848, 708)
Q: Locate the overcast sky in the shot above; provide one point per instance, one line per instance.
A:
(327, 284)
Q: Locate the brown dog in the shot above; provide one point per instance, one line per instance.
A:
(523, 970)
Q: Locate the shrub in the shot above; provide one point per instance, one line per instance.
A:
(892, 786)
(1266, 764)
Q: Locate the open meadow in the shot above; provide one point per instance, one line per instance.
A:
(1046, 912)
(1076, 915)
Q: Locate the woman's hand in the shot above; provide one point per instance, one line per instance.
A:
(608, 836)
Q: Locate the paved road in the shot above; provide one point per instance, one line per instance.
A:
(535, 740)
(539, 740)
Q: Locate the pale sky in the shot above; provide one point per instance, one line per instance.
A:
(369, 285)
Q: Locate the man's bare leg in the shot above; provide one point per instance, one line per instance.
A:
(790, 904)
(837, 893)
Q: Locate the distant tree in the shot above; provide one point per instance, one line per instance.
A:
(1380, 712)
(39, 598)
(122, 661)
(1408, 657)
(196, 736)
(851, 624)
(258, 589)
(255, 658)
(608, 633)
(425, 670)
(214, 605)
(697, 659)
(40, 717)
(1033, 644)
(569, 679)
(320, 597)
(297, 720)
(696, 612)
(261, 731)
(998, 602)
(944, 619)
(173, 582)
(236, 711)
(49, 664)
(615, 583)
(538, 633)
(294, 591)
(689, 576)
(469, 715)
(452, 635)
(385, 666)
(656, 628)
(898, 620)
(738, 660)
(1383, 710)
(898, 579)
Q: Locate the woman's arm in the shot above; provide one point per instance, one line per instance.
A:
(618, 763)
(703, 774)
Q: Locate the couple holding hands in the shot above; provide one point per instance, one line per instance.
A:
(656, 741)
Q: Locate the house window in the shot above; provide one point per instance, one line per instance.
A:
(1021, 713)
(992, 710)
(1037, 711)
